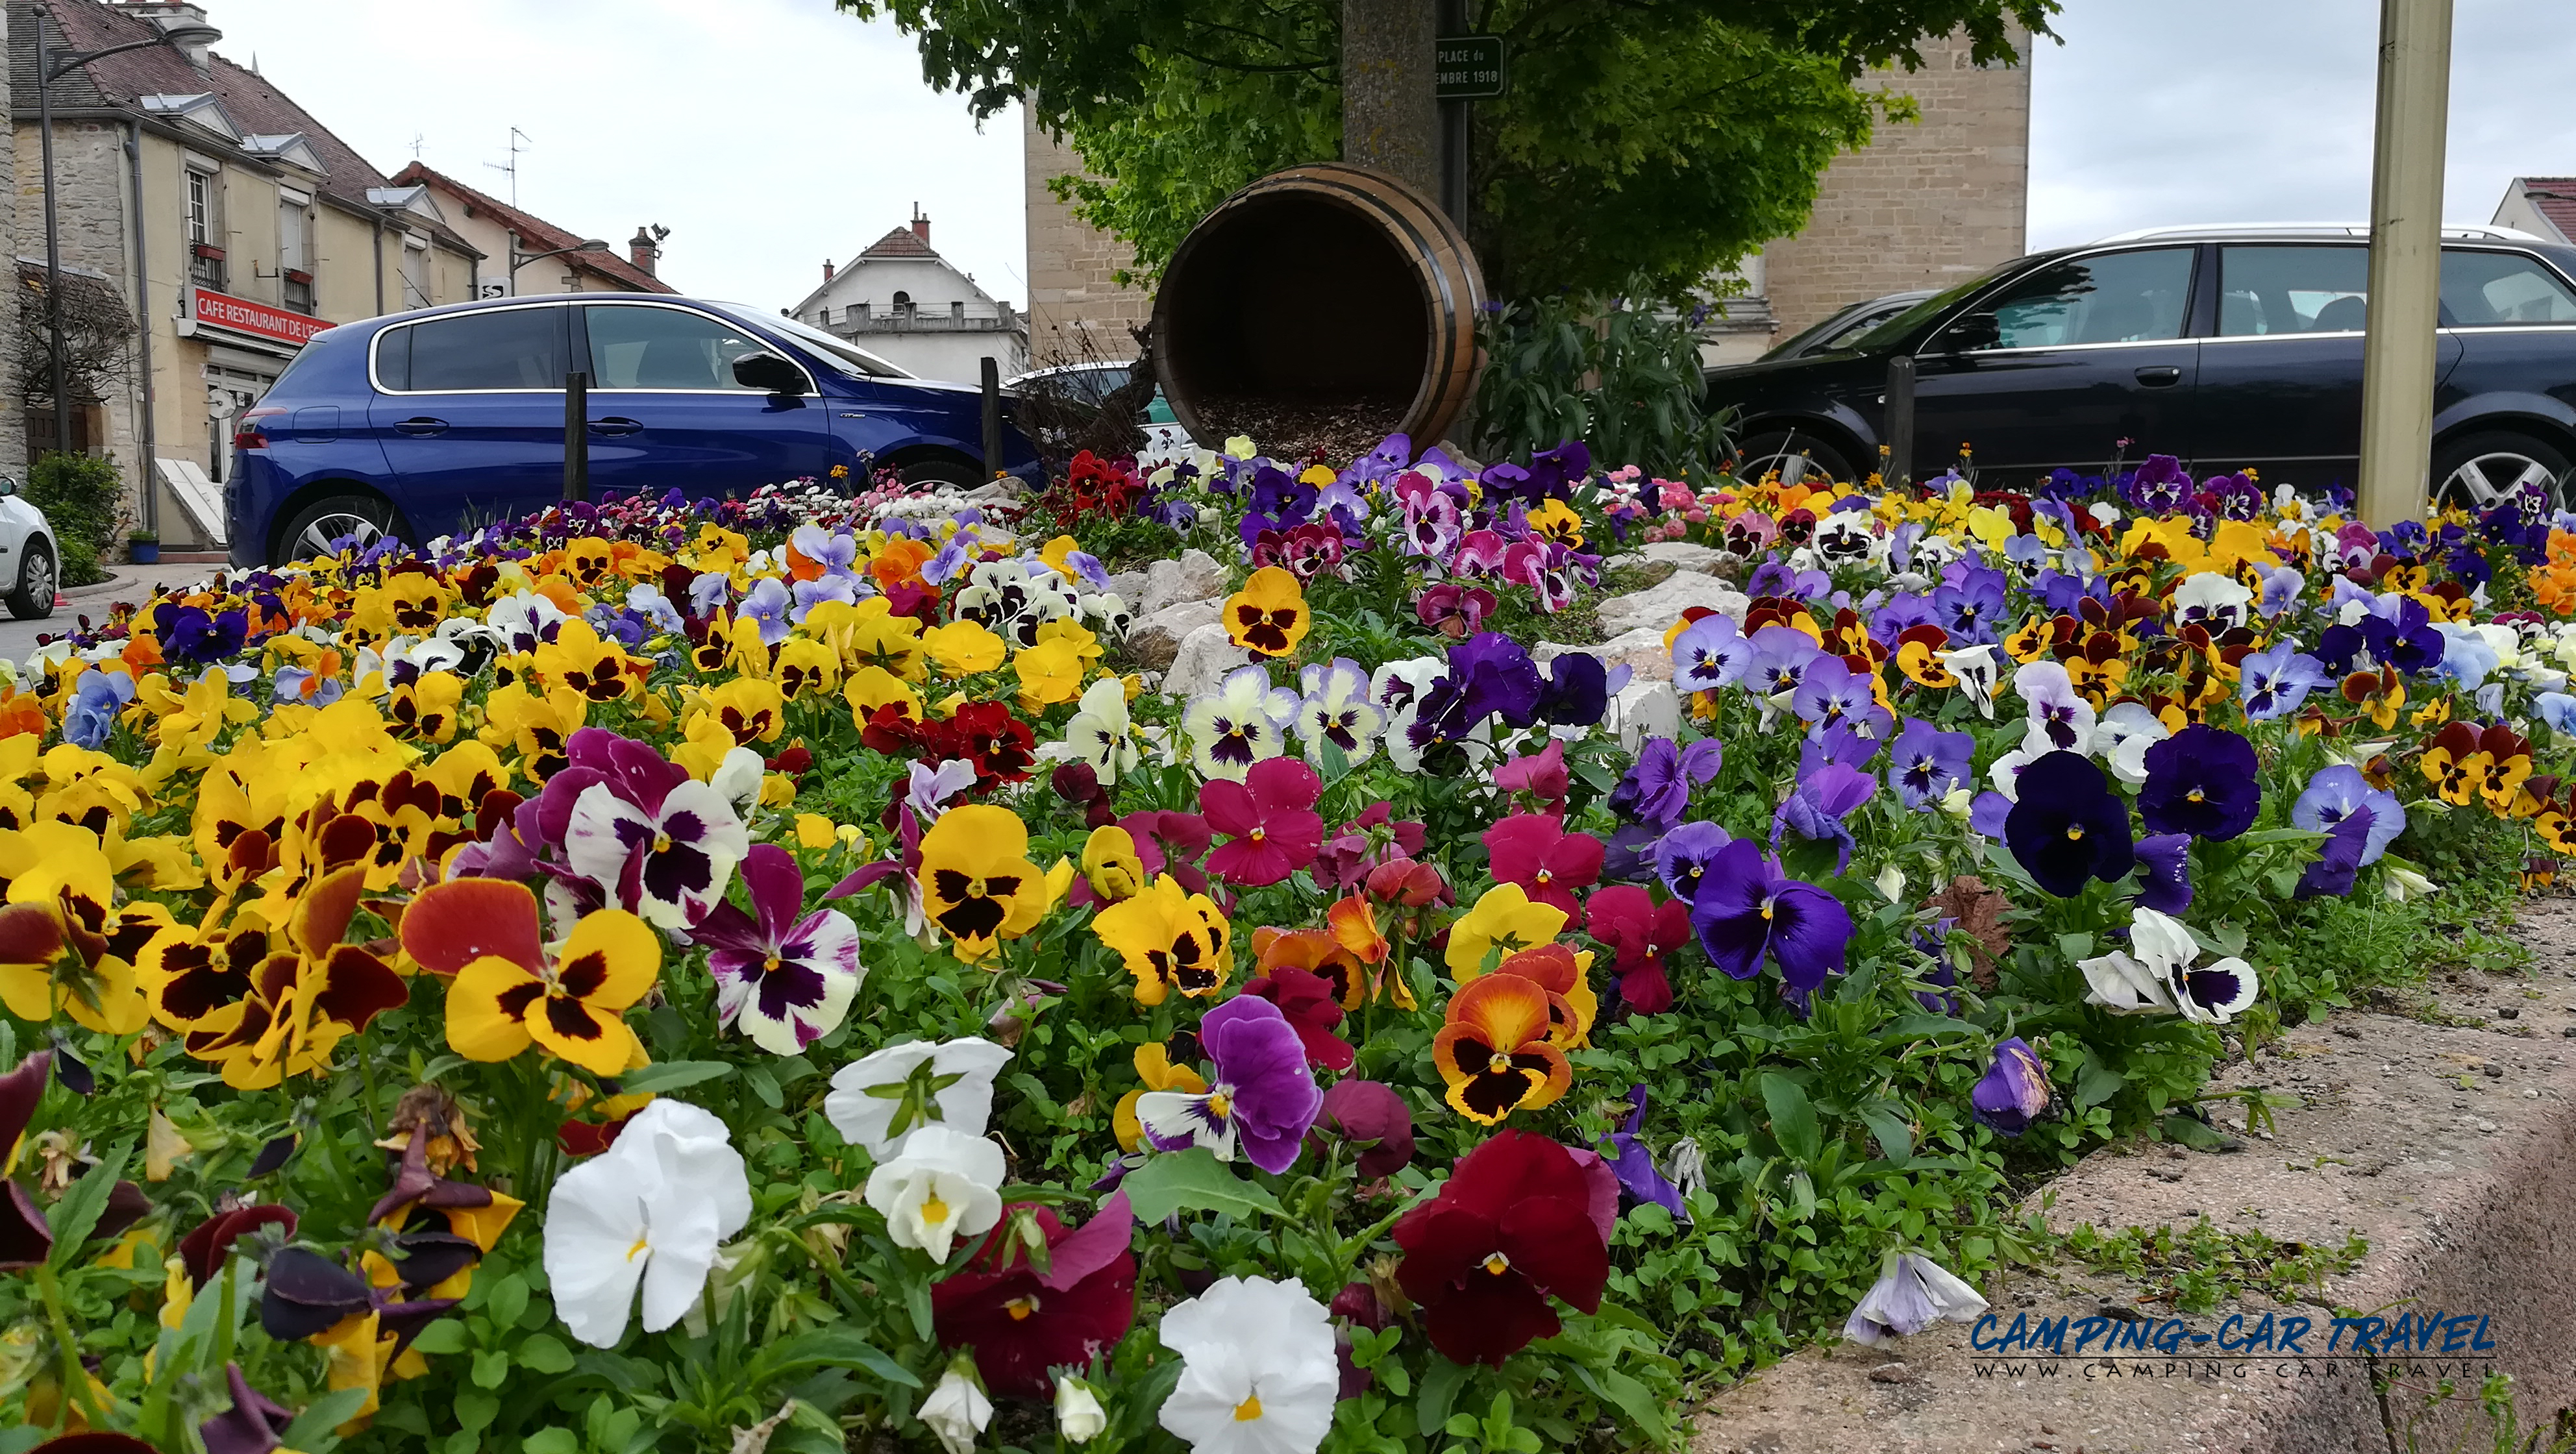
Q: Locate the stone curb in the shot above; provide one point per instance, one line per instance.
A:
(2450, 1147)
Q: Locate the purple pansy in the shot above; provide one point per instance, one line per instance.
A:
(1747, 909)
(657, 841)
(2202, 781)
(2067, 825)
(2164, 879)
(2013, 1091)
(1926, 763)
(1815, 811)
(1260, 1094)
(784, 978)
(1634, 1164)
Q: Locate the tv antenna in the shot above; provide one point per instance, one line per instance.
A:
(417, 139)
(519, 142)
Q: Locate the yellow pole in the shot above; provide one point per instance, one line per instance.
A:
(2405, 259)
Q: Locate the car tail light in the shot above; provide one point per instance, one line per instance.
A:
(246, 429)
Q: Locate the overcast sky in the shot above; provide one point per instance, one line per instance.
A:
(770, 134)
(2157, 112)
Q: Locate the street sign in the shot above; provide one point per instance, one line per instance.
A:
(1469, 67)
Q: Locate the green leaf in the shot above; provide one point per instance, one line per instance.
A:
(508, 1299)
(312, 1428)
(474, 1411)
(836, 1349)
(79, 1209)
(1793, 1119)
(447, 1335)
(1894, 1135)
(542, 1353)
(491, 1368)
(2097, 1084)
(551, 1441)
(1440, 1385)
(1635, 1401)
(1193, 1179)
(671, 1075)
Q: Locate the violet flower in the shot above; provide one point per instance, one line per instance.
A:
(1260, 1094)
(1912, 1294)
(1657, 786)
(1634, 1165)
(2014, 1090)
(783, 977)
(1683, 855)
(1815, 811)
(2067, 825)
(2340, 793)
(2202, 781)
(2273, 683)
(2164, 879)
(1747, 909)
(1926, 763)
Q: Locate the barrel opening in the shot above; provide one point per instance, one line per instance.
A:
(1307, 326)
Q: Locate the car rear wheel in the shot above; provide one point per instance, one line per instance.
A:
(33, 599)
(364, 518)
(2480, 471)
(1798, 458)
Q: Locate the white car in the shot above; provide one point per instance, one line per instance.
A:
(30, 561)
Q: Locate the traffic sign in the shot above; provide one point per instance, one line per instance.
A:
(1469, 67)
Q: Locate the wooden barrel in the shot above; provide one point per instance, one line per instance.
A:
(1332, 294)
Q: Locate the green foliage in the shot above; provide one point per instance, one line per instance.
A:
(1613, 372)
(2198, 1267)
(83, 497)
(1663, 138)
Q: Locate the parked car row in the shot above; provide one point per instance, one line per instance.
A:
(2228, 347)
(426, 423)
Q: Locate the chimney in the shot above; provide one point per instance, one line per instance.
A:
(827, 270)
(642, 249)
(170, 15)
(920, 225)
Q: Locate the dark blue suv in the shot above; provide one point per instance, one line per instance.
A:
(427, 423)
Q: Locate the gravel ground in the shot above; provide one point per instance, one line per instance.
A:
(2444, 1134)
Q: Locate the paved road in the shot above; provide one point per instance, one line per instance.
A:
(133, 583)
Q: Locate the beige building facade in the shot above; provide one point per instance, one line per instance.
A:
(1924, 205)
(232, 221)
(525, 255)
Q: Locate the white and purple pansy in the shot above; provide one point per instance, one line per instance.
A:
(662, 844)
(783, 979)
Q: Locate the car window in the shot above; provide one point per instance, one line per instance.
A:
(1860, 324)
(507, 348)
(835, 353)
(2119, 297)
(639, 347)
(2268, 290)
(2496, 289)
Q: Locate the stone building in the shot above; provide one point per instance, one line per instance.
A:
(899, 299)
(236, 224)
(1923, 205)
(502, 233)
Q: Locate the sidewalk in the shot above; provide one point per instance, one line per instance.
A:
(132, 583)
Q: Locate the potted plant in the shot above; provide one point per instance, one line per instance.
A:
(143, 547)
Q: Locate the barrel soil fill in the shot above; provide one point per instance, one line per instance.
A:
(1322, 306)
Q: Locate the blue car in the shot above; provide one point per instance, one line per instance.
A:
(434, 422)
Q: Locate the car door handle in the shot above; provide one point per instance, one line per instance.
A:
(2160, 376)
(421, 426)
(615, 426)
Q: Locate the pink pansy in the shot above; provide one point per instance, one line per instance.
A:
(1541, 775)
(1640, 933)
(1271, 817)
(1534, 851)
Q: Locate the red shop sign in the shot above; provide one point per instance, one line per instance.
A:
(223, 310)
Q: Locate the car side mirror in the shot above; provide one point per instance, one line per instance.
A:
(1971, 333)
(8, 485)
(768, 373)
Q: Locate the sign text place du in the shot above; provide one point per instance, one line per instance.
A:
(1468, 67)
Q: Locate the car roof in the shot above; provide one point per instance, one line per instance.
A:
(2274, 231)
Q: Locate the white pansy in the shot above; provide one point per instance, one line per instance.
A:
(2122, 737)
(1079, 1418)
(1258, 1372)
(942, 1184)
(649, 1211)
(956, 1411)
(1101, 733)
(877, 1100)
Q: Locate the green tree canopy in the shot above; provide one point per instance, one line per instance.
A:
(1657, 138)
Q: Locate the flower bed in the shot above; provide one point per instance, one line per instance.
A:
(676, 975)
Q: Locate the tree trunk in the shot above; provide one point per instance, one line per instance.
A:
(1390, 120)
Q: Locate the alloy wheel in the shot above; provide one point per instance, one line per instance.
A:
(319, 536)
(2483, 480)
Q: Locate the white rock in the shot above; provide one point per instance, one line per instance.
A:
(1156, 639)
(1196, 576)
(1642, 650)
(1661, 604)
(1128, 586)
(1645, 709)
(1204, 657)
(1682, 555)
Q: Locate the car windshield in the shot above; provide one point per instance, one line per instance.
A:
(1930, 308)
(840, 353)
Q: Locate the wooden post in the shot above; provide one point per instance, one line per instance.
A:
(2405, 259)
(1390, 119)
(576, 484)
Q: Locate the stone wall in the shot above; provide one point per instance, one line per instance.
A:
(92, 223)
(1926, 204)
(1077, 310)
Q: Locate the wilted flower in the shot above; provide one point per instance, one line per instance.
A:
(2013, 1090)
(1912, 1293)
